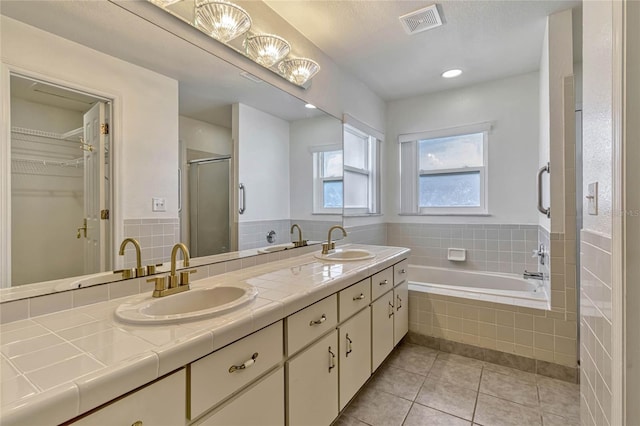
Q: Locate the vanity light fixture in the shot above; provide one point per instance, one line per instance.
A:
(298, 70)
(267, 49)
(451, 73)
(310, 106)
(221, 20)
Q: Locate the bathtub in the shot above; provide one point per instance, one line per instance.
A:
(509, 289)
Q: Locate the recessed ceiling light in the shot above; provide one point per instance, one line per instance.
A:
(451, 73)
(310, 106)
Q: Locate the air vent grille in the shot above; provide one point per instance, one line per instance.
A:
(421, 20)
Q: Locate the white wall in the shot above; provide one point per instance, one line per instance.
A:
(544, 140)
(305, 134)
(145, 122)
(263, 163)
(206, 137)
(512, 105)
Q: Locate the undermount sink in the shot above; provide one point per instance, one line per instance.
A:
(345, 255)
(194, 304)
(277, 247)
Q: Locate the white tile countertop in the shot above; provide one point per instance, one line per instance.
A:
(57, 366)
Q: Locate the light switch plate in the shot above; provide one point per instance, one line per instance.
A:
(592, 198)
(159, 204)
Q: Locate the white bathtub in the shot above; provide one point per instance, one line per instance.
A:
(510, 289)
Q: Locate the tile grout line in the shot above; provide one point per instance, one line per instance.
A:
(475, 406)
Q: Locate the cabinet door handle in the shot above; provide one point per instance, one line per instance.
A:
(349, 342)
(399, 303)
(358, 297)
(137, 423)
(332, 360)
(322, 319)
(403, 271)
(390, 309)
(248, 363)
(385, 282)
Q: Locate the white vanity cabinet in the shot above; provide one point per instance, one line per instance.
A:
(262, 404)
(401, 315)
(355, 354)
(382, 312)
(313, 383)
(158, 404)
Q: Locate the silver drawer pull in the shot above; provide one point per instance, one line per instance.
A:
(349, 342)
(248, 363)
(385, 282)
(137, 423)
(359, 297)
(390, 309)
(332, 360)
(403, 271)
(322, 319)
(399, 303)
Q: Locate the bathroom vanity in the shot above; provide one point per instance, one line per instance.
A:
(296, 355)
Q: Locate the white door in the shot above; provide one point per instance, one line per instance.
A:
(94, 189)
(355, 355)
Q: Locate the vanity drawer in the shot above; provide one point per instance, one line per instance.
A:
(211, 378)
(381, 283)
(400, 272)
(307, 325)
(354, 298)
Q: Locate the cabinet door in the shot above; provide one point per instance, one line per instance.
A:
(162, 403)
(313, 384)
(263, 404)
(401, 317)
(355, 355)
(382, 312)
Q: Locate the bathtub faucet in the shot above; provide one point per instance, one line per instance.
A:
(532, 275)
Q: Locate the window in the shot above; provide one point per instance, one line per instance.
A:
(444, 172)
(361, 172)
(327, 182)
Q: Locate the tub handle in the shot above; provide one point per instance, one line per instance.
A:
(385, 282)
(399, 303)
(390, 309)
(541, 209)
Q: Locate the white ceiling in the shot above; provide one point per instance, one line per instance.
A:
(486, 39)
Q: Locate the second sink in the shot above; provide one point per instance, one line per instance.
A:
(342, 255)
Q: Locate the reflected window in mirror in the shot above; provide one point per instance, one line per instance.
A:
(361, 172)
(327, 180)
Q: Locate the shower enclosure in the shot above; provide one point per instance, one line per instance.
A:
(209, 200)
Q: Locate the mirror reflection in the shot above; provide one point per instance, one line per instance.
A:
(171, 124)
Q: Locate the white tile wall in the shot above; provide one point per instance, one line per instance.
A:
(595, 329)
(156, 237)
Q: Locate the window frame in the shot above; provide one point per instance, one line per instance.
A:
(319, 180)
(371, 171)
(410, 197)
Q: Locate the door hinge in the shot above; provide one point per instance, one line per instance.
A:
(104, 214)
(104, 129)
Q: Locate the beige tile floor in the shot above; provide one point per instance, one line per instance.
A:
(421, 386)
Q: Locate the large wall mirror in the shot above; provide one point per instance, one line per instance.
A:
(187, 130)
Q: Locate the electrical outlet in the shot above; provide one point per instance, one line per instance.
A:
(159, 204)
(592, 198)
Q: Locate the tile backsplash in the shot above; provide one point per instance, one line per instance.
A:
(156, 237)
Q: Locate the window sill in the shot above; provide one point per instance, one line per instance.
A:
(446, 214)
(362, 215)
(327, 214)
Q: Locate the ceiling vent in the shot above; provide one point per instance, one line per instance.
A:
(421, 20)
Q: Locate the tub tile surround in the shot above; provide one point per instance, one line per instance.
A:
(415, 392)
(85, 357)
(504, 248)
(596, 344)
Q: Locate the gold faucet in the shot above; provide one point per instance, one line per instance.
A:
(139, 271)
(176, 285)
(329, 245)
(300, 242)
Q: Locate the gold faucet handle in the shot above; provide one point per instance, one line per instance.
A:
(126, 273)
(160, 285)
(151, 269)
(184, 276)
(141, 272)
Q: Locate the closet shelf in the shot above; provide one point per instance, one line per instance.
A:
(72, 135)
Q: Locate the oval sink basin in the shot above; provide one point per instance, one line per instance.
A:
(194, 304)
(345, 255)
(277, 247)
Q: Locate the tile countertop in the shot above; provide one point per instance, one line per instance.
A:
(57, 366)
